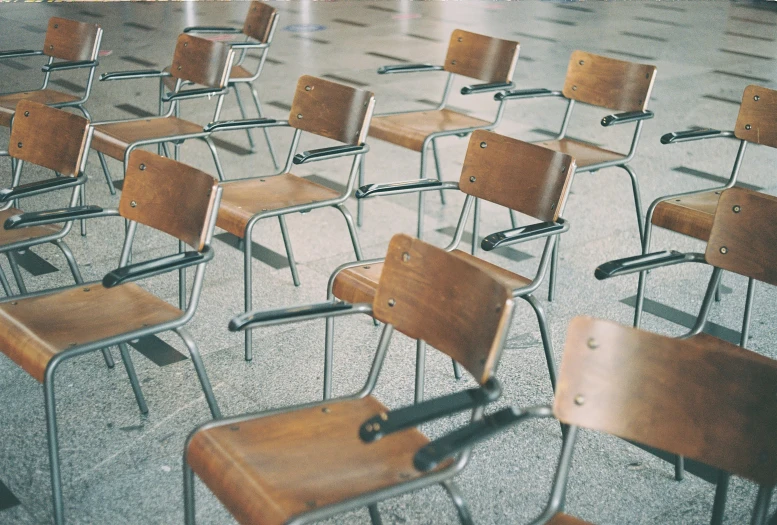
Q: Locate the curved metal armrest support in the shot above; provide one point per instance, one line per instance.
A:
(18, 53)
(523, 234)
(42, 186)
(694, 134)
(145, 269)
(623, 118)
(297, 314)
(408, 186)
(187, 94)
(527, 93)
(486, 88)
(39, 218)
(249, 123)
(329, 153)
(249, 45)
(130, 75)
(213, 29)
(64, 66)
(453, 443)
(408, 68)
(386, 423)
(641, 263)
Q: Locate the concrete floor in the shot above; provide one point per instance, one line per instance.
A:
(119, 467)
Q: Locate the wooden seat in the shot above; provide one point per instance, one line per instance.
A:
(244, 199)
(690, 215)
(114, 139)
(44, 96)
(23, 234)
(585, 154)
(410, 129)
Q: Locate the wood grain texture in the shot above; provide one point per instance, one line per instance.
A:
(744, 229)
(606, 82)
(23, 234)
(686, 397)
(757, 119)
(114, 139)
(482, 57)
(331, 110)
(454, 306)
(201, 61)
(169, 196)
(521, 176)
(690, 215)
(47, 96)
(70, 40)
(584, 154)
(566, 519)
(48, 137)
(410, 129)
(259, 21)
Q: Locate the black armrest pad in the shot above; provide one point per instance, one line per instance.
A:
(63, 66)
(694, 134)
(145, 269)
(213, 29)
(329, 153)
(18, 53)
(42, 186)
(234, 125)
(194, 93)
(54, 216)
(408, 68)
(526, 93)
(485, 88)
(623, 118)
(128, 75)
(385, 423)
(522, 234)
(296, 314)
(641, 263)
(408, 186)
(431, 455)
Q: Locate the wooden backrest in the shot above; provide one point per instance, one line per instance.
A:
(169, 196)
(259, 21)
(48, 137)
(757, 119)
(714, 405)
(201, 61)
(331, 110)
(71, 40)
(609, 83)
(743, 239)
(527, 178)
(461, 310)
(483, 57)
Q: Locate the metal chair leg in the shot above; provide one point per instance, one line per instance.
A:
(748, 312)
(53, 444)
(437, 168)
(553, 271)
(420, 369)
(289, 252)
(244, 115)
(513, 219)
(717, 292)
(6, 285)
(547, 342)
(188, 493)
(679, 468)
(352, 231)
(637, 200)
(374, 514)
(360, 202)
(17, 274)
(165, 150)
(456, 369)
(475, 226)
(82, 197)
(107, 173)
(71, 261)
(721, 492)
(420, 229)
(133, 377)
(194, 352)
(247, 284)
(465, 517)
(259, 112)
(329, 341)
(215, 155)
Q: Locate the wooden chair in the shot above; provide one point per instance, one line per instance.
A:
(320, 107)
(692, 213)
(690, 397)
(259, 465)
(195, 60)
(76, 45)
(536, 186)
(490, 60)
(41, 331)
(607, 83)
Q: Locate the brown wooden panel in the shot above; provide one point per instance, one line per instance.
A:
(259, 20)
(757, 119)
(744, 237)
(331, 110)
(23, 234)
(201, 61)
(690, 215)
(461, 310)
(113, 139)
(607, 82)
(48, 137)
(71, 40)
(169, 196)
(524, 177)
(410, 129)
(483, 57)
(709, 403)
(358, 284)
(44, 96)
(584, 154)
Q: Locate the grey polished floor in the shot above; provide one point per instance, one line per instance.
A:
(119, 467)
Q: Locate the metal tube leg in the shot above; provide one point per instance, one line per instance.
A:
(762, 504)
(215, 155)
(642, 276)
(456, 369)
(259, 112)
(547, 342)
(374, 514)
(247, 292)
(53, 445)
(200, 369)
(679, 468)
(352, 231)
(133, 377)
(513, 219)
(420, 230)
(17, 274)
(71, 261)
(188, 493)
(107, 173)
(289, 252)
(721, 491)
(475, 226)
(82, 196)
(6, 285)
(420, 369)
(637, 200)
(717, 292)
(748, 312)
(437, 168)
(166, 150)
(181, 280)
(553, 271)
(329, 341)
(465, 517)
(360, 202)
(243, 114)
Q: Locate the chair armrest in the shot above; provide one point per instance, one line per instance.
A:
(131, 75)
(249, 45)
(451, 444)
(408, 186)
(297, 314)
(213, 29)
(42, 186)
(694, 134)
(623, 118)
(187, 94)
(523, 234)
(39, 218)
(329, 153)
(64, 66)
(527, 93)
(392, 421)
(145, 269)
(641, 263)
(18, 53)
(408, 68)
(486, 88)
(249, 123)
